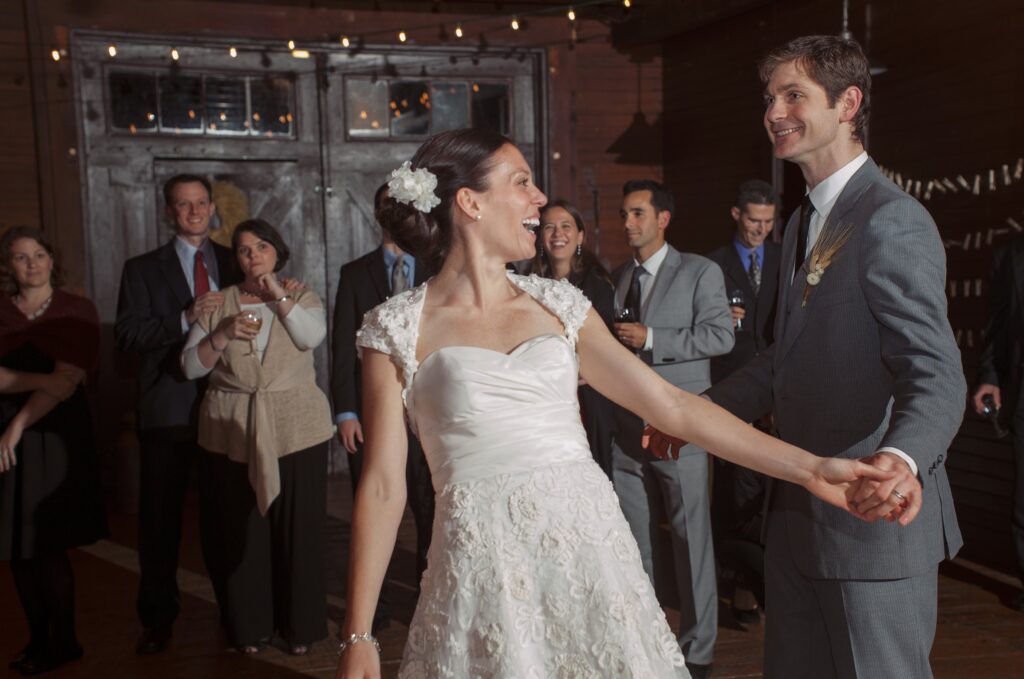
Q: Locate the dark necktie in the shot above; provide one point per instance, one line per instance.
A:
(754, 272)
(633, 297)
(200, 277)
(806, 210)
(399, 281)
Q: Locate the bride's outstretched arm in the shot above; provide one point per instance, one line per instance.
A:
(618, 374)
(379, 503)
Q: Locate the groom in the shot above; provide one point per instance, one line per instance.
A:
(864, 365)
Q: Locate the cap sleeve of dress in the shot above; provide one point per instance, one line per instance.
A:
(561, 298)
(391, 328)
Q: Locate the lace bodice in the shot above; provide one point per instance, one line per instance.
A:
(393, 327)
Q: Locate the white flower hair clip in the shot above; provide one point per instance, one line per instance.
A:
(414, 187)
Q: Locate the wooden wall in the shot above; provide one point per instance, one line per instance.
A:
(951, 103)
(592, 96)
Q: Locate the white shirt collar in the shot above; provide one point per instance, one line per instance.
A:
(653, 263)
(824, 195)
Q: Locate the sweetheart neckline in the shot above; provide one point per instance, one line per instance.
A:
(507, 354)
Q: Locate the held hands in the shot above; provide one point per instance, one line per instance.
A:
(8, 442)
(661, 445)
(633, 335)
(896, 498)
(359, 661)
(203, 305)
(349, 432)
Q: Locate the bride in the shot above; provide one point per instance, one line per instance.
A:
(532, 571)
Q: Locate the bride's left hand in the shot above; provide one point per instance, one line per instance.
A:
(834, 480)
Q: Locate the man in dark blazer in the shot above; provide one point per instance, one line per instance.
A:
(162, 294)
(363, 284)
(999, 373)
(864, 365)
(679, 320)
(750, 264)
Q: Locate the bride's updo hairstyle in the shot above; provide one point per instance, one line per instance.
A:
(459, 159)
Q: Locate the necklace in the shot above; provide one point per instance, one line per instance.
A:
(41, 309)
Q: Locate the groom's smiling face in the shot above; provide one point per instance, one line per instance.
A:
(800, 120)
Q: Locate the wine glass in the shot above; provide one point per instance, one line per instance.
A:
(736, 300)
(252, 321)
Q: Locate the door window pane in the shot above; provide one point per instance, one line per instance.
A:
(449, 106)
(181, 103)
(225, 105)
(410, 108)
(491, 106)
(272, 106)
(366, 108)
(132, 101)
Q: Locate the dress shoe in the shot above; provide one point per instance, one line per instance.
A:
(37, 663)
(153, 640)
(698, 671)
(750, 616)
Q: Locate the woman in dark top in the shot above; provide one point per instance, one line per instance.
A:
(50, 495)
(561, 254)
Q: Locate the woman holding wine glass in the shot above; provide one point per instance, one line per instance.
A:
(264, 427)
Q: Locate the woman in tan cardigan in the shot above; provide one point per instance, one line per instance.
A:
(264, 427)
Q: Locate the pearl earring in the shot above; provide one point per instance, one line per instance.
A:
(478, 217)
(579, 249)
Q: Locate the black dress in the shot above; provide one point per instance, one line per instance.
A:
(598, 415)
(52, 499)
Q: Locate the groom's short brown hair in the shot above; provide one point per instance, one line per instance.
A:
(833, 62)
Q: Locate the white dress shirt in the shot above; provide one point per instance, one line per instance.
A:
(824, 197)
(651, 266)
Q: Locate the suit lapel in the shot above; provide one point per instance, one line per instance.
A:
(379, 274)
(795, 314)
(170, 267)
(662, 282)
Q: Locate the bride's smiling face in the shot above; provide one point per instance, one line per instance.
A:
(510, 207)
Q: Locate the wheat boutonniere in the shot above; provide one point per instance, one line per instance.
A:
(824, 252)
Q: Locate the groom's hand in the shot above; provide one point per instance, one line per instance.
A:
(882, 499)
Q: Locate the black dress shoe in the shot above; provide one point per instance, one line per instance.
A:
(37, 663)
(153, 640)
(747, 617)
(698, 671)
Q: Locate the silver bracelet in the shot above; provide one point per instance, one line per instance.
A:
(352, 639)
(278, 301)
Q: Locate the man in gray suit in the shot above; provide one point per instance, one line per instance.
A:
(678, 318)
(864, 365)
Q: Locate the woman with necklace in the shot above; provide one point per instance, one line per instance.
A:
(562, 254)
(264, 427)
(50, 493)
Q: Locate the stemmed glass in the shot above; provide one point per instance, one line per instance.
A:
(736, 300)
(252, 321)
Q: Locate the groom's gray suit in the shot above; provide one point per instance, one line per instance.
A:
(868, 363)
(686, 310)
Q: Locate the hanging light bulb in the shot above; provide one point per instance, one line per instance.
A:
(571, 14)
(291, 44)
(402, 37)
(112, 50)
(55, 54)
(345, 42)
(515, 23)
(174, 53)
(233, 52)
(627, 4)
(458, 30)
(300, 54)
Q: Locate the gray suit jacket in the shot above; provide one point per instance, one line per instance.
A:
(869, 362)
(688, 313)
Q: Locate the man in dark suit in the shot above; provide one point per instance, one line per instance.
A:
(363, 284)
(999, 373)
(679, 320)
(162, 294)
(750, 264)
(864, 365)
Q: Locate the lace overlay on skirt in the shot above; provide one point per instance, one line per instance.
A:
(535, 574)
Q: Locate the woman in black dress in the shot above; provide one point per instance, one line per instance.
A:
(561, 254)
(50, 495)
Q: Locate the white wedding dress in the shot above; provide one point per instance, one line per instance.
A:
(532, 570)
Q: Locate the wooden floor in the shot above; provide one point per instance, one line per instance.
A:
(978, 635)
